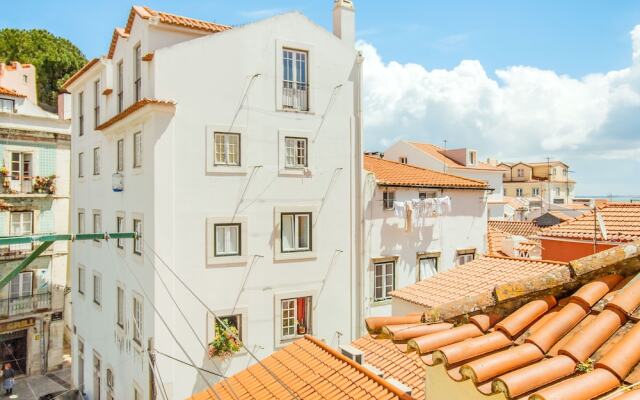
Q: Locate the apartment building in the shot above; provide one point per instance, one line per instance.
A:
(34, 199)
(234, 154)
(545, 184)
(418, 223)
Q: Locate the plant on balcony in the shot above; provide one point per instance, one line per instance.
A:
(44, 184)
(226, 342)
(4, 171)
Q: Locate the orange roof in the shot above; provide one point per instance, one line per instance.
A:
(132, 109)
(172, 19)
(312, 370)
(622, 222)
(10, 92)
(517, 228)
(438, 153)
(80, 72)
(117, 33)
(475, 278)
(393, 173)
(495, 238)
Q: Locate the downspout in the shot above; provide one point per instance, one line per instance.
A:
(359, 206)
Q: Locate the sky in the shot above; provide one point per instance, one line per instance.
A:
(516, 80)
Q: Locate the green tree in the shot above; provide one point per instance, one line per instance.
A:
(55, 58)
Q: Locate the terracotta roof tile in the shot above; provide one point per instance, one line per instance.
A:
(438, 153)
(312, 370)
(495, 238)
(473, 278)
(80, 72)
(397, 174)
(10, 92)
(132, 109)
(518, 228)
(172, 19)
(622, 222)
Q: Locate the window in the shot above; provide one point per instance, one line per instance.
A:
(519, 192)
(427, 267)
(120, 88)
(388, 197)
(535, 191)
(96, 161)
(227, 240)
(296, 232)
(80, 113)
(81, 280)
(120, 155)
(565, 172)
(402, 159)
(81, 365)
(296, 317)
(120, 229)
(520, 172)
(557, 191)
(80, 165)
(136, 394)
(137, 150)
(227, 148)
(384, 277)
(80, 221)
(21, 223)
(97, 377)
(553, 172)
(21, 165)
(465, 256)
(137, 319)
(21, 285)
(25, 78)
(97, 289)
(109, 384)
(97, 223)
(558, 201)
(137, 241)
(137, 83)
(7, 105)
(295, 85)
(234, 320)
(295, 152)
(120, 305)
(96, 103)
(472, 158)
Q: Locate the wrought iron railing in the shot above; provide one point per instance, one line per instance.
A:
(25, 305)
(295, 96)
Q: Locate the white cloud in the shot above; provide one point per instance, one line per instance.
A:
(525, 112)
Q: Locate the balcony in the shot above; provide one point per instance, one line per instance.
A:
(15, 251)
(18, 185)
(295, 96)
(25, 305)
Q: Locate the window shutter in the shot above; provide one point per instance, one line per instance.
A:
(27, 284)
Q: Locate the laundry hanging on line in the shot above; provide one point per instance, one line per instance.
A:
(415, 210)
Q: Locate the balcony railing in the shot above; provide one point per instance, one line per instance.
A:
(25, 305)
(13, 251)
(28, 184)
(295, 96)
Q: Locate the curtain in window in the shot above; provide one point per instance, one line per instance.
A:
(302, 310)
(427, 267)
(287, 232)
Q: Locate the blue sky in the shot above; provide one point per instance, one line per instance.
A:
(557, 43)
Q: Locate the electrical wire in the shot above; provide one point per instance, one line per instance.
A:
(164, 322)
(187, 364)
(155, 370)
(221, 322)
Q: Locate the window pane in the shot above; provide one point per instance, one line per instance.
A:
(287, 232)
(303, 231)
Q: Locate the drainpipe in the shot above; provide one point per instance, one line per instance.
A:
(359, 207)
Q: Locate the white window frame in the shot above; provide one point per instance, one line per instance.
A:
(311, 74)
(81, 165)
(224, 238)
(381, 269)
(295, 229)
(295, 79)
(137, 149)
(242, 312)
(558, 191)
(97, 376)
(137, 319)
(26, 224)
(96, 103)
(121, 223)
(82, 280)
(403, 160)
(224, 139)
(217, 168)
(96, 224)
(7, 105)
(519, 192)
(520, 172)
(25, 163)
(213, 258)
(137, 73)
(280, 339)
(535, 192)
(121, 306)
(137, 241)
(465, 256)
(120, 86)
(97, 291)
(120, 155)
(293, 158)
(280, 254)
(81, 220)
(22, 285)
(81, 114)
(288, 169)
(422, 257)
(388, 198)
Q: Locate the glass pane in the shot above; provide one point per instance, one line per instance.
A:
(220, 242)
(287, 232)
(303, 231)
(233, 240)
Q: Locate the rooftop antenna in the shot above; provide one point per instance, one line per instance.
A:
(444, 164)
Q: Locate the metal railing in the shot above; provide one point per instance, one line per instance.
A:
(25, 305)
(23, 184)
(295, 96)
(11, 251)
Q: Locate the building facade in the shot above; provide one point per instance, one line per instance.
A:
(34, 199)
(234, 154)
(544, 184)
(401, 248)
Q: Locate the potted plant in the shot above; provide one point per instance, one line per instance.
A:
(302, 329)
(226, 342)
(44, 184)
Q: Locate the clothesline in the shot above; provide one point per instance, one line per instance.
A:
(414, 211)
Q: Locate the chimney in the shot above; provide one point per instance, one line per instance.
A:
(64, 106)
(344, 21)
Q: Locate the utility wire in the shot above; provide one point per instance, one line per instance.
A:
(222, 322)
(187, 364)
(164, 322)
(155, 370)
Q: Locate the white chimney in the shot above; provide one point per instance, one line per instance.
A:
(344, 21)
(64, 106)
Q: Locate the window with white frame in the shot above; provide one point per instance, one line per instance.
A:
(137, 319)
(80, 165)
(229, 321)
(110, 385)
(553, 171)
(427, 267)
(519, 192)
(295, 232)
(97, 223)
(97, 289)
(21, 285)
(402, 159)
(558, 191)
(21, 166)
(295, 85)
(80, 221)
(388, 197)
(137, 150)
(96, 103)
(7, 105)
(520, 172)
(21, 223)
(137, 241)
(227, 240)
(137, 70)
(295, 152)
(296, 317)
(384, 280)
(535, 191)
(226, 148)
(120, 155)
(96, 161)
(565, 172)
(80, 113)
(81, 365)
(120, 82)
(473, 158)
(465, 256)
(120, 229)
(120, 306)
(97, 377)
(81, 280)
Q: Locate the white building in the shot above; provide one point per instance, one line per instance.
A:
(34, 199)
(462, 162)
(235, 154)
(402, 249)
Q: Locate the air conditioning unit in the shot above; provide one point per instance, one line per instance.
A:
(353, 353)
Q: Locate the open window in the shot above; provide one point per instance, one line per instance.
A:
(296, 317)
(384, 280)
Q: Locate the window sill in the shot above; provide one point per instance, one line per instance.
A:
(226, 261)
(295, 255)
(294, 111)
(296, 172)
(385, 302)
(226, 170)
